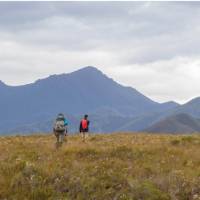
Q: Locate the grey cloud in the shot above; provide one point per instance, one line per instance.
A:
(154, 36)
(116, 26)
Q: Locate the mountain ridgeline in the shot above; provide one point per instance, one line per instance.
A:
(111, 106)
(179, 123)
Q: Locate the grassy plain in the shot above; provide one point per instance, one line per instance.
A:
(106, 167)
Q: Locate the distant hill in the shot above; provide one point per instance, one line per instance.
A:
(146, 120)
(179, 123)
(111, 106)
(84, 91)
(192, 107)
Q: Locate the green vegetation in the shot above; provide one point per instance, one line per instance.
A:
(106, 167)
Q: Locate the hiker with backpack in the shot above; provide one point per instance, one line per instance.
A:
(60, 129)
(84, 126)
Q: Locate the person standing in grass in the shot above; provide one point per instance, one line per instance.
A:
(60, 129)
(84, 127)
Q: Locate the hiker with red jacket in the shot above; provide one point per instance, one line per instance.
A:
(84, 126)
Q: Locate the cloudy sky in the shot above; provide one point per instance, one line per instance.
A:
(151, 46)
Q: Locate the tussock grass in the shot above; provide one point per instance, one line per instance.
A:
(105, 167)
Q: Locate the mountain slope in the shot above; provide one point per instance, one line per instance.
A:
(179, 123)
(139, 123)
(192, 107)
(76, 93)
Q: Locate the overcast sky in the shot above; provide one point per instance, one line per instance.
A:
(151, 46)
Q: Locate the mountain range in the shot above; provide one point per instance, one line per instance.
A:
(111, 106)
(178, 123)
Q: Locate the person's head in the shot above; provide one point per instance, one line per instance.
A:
(60, 116)
(85, 116)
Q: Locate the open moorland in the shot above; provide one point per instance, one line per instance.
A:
(106, 167)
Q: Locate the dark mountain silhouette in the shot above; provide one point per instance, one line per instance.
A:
(179, 123)
(149, 119)
(138, 123)
(76, 93)
(112, 107)
(170, 105)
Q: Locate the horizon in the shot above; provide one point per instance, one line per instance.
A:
(138, 44)
(64, 73)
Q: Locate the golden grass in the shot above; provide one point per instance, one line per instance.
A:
(106, 167)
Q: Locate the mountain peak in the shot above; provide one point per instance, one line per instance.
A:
(88, 69)
(171, 103)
